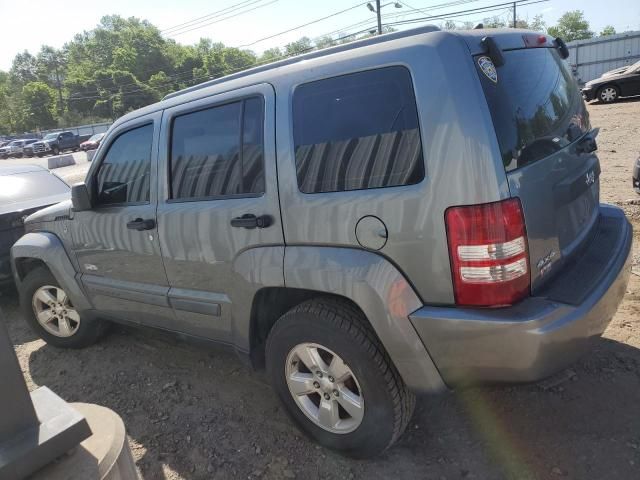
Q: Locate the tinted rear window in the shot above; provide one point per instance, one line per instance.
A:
(357, 131)
(536, 105)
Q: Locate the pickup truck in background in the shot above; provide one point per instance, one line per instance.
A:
(55, 143)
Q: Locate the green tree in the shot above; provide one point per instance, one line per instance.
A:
(39, 104)
(325, 41)
(538, 24)
(494, 22)
(298, 47)
(24, 68)
(608, 30)
(271, 55)
(571, 26)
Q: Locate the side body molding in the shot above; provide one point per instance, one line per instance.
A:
(48, 248)
(383, 294)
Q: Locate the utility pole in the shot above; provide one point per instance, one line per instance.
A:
(514, 15)
(60, 106)
(379, 17)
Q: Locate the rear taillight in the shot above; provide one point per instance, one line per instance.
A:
(489, 253)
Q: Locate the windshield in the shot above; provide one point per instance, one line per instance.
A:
(51, 136)
(535, 105)
(15, 143)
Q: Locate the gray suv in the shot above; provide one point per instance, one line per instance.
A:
(400, 215)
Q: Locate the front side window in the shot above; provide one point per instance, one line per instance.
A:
(357, 131)
(219, 151)
(124, 175)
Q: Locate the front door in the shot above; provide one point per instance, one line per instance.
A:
(220, 202)
(116, 242)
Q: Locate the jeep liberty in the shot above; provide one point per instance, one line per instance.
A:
(403, 214)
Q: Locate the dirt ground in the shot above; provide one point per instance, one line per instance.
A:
(192, 413)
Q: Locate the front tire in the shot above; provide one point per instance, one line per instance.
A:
(335, 379)
(608, 94)
(51, 315)
(55, 150)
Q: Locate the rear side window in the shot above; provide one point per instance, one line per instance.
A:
(535, 104)
(218, 152)
(124, 174)
(357, 131)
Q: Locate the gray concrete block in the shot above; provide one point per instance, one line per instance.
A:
(105, 455)
(90, 155)
(60, 161)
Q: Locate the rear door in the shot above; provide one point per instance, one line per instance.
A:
(219, 201)
(543, 131)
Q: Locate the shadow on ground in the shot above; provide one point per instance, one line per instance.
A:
(194, 413)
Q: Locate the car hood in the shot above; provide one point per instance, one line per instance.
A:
(52, 213)
(616, 71)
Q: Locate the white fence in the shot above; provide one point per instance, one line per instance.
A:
(591, 58)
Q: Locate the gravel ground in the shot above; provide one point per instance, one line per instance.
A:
(196, 413)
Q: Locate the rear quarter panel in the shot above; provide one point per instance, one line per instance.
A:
(462, 160)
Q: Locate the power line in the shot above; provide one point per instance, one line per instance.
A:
(302, 26)
(486, 9)
(256, 7)
(208, 16)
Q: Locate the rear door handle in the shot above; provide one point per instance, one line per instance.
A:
(139, 224)
(249, 220)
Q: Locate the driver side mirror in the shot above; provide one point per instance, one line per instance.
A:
(80, 198)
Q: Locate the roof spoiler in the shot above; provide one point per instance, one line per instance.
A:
(493, 50)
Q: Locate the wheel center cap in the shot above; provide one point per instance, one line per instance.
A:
(325, 385)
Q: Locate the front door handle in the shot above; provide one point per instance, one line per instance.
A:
(249, 220)
(139, 224)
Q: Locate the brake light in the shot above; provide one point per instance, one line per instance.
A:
(489, 253)
(533, 40)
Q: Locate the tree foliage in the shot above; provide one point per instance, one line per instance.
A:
(571, 26)
(121, 65)
(608, 30)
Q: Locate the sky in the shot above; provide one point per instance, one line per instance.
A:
(29, 24)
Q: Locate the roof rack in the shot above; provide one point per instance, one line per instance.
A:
(307, 56)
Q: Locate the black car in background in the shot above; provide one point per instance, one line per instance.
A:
(24, 189)
(621, 82)
(636, 175)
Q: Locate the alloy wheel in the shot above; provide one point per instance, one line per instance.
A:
(54, 311)
(324, 388)
(608, 94)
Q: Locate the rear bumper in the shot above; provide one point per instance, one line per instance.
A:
(541, 335)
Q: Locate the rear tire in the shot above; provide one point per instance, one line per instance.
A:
(346, 347)
(608, 94)
(60, 324)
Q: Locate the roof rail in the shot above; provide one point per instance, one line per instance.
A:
(307, 56)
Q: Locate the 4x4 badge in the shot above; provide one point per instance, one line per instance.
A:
(488, 68)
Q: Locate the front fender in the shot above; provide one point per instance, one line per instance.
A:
(383, 294)
(48, 248)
